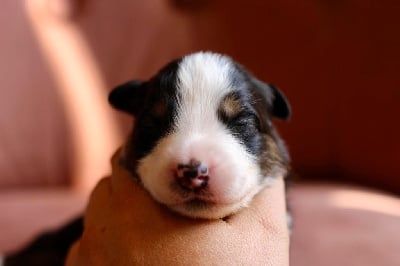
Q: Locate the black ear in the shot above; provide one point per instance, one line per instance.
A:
(280, 105)
(267, 101)
(128, 97)
(269, 98)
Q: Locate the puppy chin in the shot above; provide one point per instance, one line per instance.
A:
(203, 209)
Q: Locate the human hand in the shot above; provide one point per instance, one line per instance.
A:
(125, 226)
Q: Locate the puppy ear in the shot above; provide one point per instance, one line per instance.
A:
(268, 100)
(128, 97)
(280, 105)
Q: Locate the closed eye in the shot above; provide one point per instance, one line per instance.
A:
(243, 121)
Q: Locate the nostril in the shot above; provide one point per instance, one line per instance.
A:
(190, 174)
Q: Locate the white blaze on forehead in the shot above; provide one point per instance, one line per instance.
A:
(203, 80)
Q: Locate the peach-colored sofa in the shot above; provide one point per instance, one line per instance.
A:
(337, 62)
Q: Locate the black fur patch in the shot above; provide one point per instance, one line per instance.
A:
(155, 119)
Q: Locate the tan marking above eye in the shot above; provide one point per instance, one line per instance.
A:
(231, 106)
(159, 109)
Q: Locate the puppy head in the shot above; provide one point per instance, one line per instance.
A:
(203, 142)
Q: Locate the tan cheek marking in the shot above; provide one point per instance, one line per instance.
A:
(271, 157)
(231, 106)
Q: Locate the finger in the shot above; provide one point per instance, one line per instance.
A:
(98, 206)
(268, 207)
(264, 224)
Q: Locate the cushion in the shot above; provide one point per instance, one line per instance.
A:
(342, 225)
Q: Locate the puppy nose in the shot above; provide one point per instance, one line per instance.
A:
(193, 175)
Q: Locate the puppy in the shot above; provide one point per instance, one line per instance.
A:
(203, 142)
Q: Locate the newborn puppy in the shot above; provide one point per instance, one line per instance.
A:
(203, 142)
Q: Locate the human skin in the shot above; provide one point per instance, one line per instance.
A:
(125, 226)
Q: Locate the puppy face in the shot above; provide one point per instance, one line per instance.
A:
(203, 142)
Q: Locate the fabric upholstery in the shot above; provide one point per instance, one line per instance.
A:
(341, 225)
(25, 213)
(33, 131)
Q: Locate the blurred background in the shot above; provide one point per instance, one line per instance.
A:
(337, 61)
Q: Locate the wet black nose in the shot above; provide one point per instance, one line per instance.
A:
(193, 175)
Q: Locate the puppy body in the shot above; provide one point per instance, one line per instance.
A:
(203, 142)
